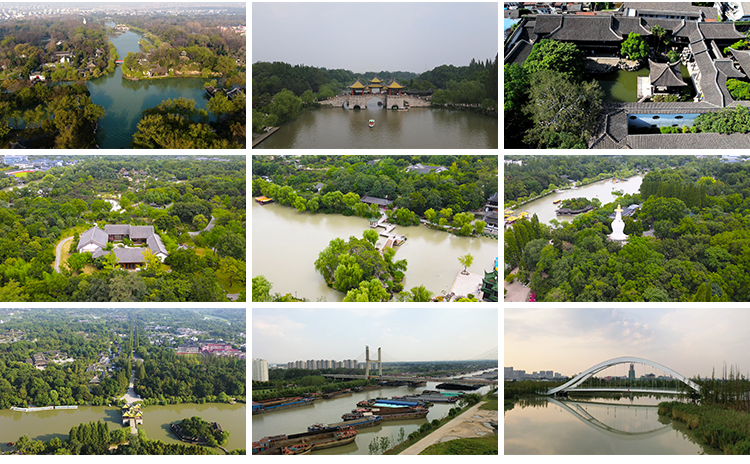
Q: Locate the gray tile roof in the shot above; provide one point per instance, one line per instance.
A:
(624, 26)
(723, 30)
(518, 54)
(743, 58)
(671, 8)
(665, 74)
(584, 28)
(700, 141)
(117, 229)
(94, 235)
(155, 244)
(141, 232)
(129, 255)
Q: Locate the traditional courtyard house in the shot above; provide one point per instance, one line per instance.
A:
(381, 202)
(95, 239)
(665, 77)
(420, 168)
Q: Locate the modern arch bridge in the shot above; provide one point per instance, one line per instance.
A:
(574, 385)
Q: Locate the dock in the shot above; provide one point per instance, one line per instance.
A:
(465, 284)
(264, 136)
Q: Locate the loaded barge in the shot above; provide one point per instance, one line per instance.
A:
(260, 407)
(303, 443)
(369, 421)
(388, 414)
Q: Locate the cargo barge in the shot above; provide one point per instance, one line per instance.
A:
(386, 414)
(260, 407)
(368, 421)
(456, 386)
(298, 443)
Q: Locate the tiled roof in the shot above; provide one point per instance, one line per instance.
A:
(518, 54)
(129, 255)
(743, 58)
(141, 232)
(671, 8)
(727, 68)
(94, 235)
(156, 245)
(117, 229)
(624, 26)
(665, 74)
(357, 85)
(584, 28)
(723, 30)
(701, 140)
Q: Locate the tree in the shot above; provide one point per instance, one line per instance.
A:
(261, 289)
(371, 236)
(659, 32)
(562, 57)
(419, 294)
(368, 291)
(564, 113)
(634, 47)
(466, 261)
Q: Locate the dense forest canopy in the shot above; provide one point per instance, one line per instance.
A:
(176, 196)
(688, 241)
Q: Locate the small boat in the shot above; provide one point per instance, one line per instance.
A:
(371, 123)
(10, 443)
(556, 202)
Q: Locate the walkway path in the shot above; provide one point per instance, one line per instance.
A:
(58, 252)
(470, 424)
(210, 226)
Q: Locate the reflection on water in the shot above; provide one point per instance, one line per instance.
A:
(545, 425)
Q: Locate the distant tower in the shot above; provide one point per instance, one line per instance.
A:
(84, 21)
(631, 372)
(368, 360)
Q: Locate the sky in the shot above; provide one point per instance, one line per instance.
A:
(384, 36)
(690, 341)
(284, 335)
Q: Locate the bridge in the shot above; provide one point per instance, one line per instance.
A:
(599, 416)
(574, 384)
(411, 378)
(389, 101)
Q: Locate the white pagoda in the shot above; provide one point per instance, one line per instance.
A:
(618, 227)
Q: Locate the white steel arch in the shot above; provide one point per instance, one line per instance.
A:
(585, 375)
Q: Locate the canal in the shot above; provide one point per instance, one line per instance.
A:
(416, 128)
(545, 209)
(46, 425)
(286, 244)
(124, 100)
(296, 420)
(603, 425)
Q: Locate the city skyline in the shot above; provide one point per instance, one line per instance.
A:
(690, 341)
(408, 36)
(405, 335)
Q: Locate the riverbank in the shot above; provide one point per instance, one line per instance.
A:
(472, 423)
(725, 429)
(263, 137)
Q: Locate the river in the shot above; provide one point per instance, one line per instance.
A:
(286, 244)
(296, 420)
(595, 426)
(545, 209)
(46, 425)
(124, 100)
(416, 128)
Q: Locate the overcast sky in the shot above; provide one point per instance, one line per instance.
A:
(283, 335)
(689, 341)
(384, 36)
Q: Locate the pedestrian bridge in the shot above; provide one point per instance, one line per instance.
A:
(574, 384)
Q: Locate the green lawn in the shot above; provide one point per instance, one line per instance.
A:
(461, 446)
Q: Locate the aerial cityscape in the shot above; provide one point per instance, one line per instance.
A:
(122, 381)
(646, 380)
(131, 75)
(318, 87)
(364, 228)
(122, 228)
(640, 75)
(394, 391)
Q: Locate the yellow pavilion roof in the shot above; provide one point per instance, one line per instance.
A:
(376, 80)
(357, 85)
(394, 85)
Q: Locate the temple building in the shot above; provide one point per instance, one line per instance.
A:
(95, 240)
(489, 286)
(376, 86)
(618, 227)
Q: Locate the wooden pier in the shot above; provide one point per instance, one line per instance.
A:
(264, 136)
(391, 239)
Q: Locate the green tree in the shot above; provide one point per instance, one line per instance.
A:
(634, 47)
(466, 261)
(562, 57)
(261, 289)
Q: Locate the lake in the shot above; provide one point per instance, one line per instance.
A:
(286, 244)
(545, 209)
(625, 426)
(124, 100)
(46, 425)
(416, 128)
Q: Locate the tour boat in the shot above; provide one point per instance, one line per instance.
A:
(371, 123)
(556, 202)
